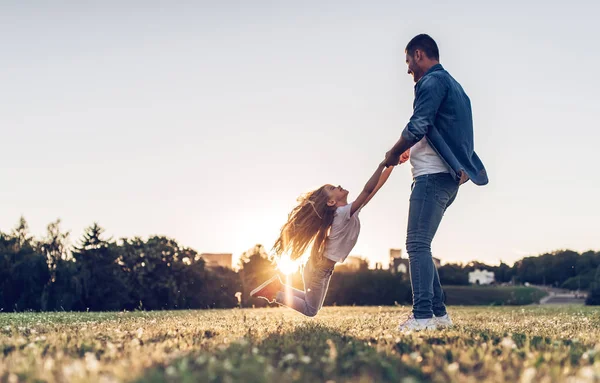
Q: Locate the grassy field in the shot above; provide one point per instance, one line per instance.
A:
(358, 344)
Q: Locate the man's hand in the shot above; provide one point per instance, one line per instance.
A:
(391, 159)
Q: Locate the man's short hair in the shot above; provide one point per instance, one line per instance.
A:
(425, 44)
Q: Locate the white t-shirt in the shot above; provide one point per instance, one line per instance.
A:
(343, 234)
(425, 160)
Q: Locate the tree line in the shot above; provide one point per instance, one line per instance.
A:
(563, 269)
(102, 274)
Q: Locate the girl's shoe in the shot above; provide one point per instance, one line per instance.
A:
(268, 290)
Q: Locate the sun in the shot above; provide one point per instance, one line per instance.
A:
(286, 265)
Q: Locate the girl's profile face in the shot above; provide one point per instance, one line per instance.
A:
(335, 194)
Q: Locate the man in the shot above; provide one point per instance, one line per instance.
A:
(440, 133)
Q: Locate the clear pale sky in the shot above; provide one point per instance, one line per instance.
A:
(205, 122)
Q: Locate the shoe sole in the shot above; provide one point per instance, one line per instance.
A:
(265, 284)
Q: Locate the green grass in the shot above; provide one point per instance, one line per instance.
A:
(357, 344)
(492, 295)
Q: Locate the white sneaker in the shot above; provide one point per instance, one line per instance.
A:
(443, 321)
(412, 324)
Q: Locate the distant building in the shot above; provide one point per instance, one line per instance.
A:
(353, 262)
(481, 277)
(402, 265)
(395, 253)
(397, 263)
(217, 259)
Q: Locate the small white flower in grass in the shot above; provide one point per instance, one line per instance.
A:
(171, 371)
(91, 362)
(305, 359)
(416, 357)
(587, 373)
(49, 364)
(73, 369)
(254, 350)
(139, 332)
(528, 375)
(288, 357)
(508, 343)
(453, 367)
(332, 350)
(107, 379)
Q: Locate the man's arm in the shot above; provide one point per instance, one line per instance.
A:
(429, 96)
(367, 190)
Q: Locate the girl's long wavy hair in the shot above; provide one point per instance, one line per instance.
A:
(309, 222)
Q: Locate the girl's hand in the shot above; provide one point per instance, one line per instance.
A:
(405, 156)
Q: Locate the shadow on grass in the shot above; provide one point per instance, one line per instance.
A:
(310, 353)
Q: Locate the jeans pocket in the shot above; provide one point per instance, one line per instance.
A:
(444, 190)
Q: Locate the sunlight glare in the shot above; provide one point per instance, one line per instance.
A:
(286, 265)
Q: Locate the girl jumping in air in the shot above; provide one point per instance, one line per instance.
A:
(325, 219)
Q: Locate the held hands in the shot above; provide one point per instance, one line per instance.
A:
(392, 159)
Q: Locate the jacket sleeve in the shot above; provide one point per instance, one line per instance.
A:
(429, 94)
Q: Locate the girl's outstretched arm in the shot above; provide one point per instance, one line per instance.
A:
(385, 175)
(367, 190)
(376, 182)
(382, 179)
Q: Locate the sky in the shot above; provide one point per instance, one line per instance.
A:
(204, 122)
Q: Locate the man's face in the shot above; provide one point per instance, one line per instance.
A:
(413, 67)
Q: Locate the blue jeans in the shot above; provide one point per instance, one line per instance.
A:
(431, 195)
(316, 276)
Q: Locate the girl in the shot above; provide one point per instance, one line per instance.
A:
(325, 219)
